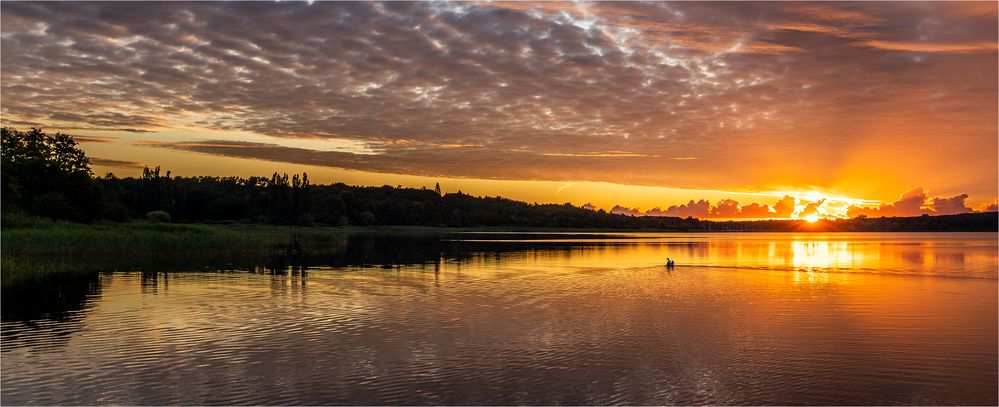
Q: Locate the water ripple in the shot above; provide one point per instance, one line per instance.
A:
(597, 325)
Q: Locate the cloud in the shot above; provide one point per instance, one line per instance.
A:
(913, 203)
(986, 47)
(726, 208)
(910, 204)
(564, 187)
(699, 209)
(950, 206)
(990, 207)
(672, 94)
(811, 209)
(755, 210)
(105, 162)
(620, 210)
(94, 139)
(599, 154)
(784, 207)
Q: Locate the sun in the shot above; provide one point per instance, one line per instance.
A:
(812, 218)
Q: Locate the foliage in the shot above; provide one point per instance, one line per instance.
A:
(47, 246)
(292, 200)
(158, 217)
(47, 175)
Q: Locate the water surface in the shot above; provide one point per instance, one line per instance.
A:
(496, 318)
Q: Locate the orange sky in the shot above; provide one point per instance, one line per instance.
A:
(890, 106)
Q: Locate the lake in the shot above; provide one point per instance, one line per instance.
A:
(524, 318)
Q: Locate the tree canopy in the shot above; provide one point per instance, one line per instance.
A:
(47, 175)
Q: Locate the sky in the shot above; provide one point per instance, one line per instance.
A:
(705, 109)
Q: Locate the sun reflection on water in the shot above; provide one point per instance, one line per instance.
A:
(809, 255)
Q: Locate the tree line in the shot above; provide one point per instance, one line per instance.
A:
(49, 176)
(294, 200)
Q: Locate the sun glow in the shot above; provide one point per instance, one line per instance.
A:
(813, 205)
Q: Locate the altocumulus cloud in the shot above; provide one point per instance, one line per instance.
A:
(619, 92)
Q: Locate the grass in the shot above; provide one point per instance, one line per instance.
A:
(43, 245)
(31, 246)
(43, 237)
(138, 238)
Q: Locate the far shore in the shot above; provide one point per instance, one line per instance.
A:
(41, 237)
(35, 246)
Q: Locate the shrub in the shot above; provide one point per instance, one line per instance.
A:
(367, 218)
(158, 216)
(117, 212)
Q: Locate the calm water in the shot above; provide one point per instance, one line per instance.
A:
(526, 319)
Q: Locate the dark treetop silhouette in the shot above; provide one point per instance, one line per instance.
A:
(47, 175)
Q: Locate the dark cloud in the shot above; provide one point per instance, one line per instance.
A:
(699, 209)
(725, 208)
(913, 203)
(910, 204)
(94, 139)
(620, 210)
(755, 210)
(106, 162)
(949, 206)
(602, 91)
(916, 202)
(414, 158)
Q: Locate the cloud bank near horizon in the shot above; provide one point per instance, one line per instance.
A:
(913, 203)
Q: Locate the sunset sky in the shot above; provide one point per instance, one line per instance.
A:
(699, 109)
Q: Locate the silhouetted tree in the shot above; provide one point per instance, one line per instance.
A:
(47, 175)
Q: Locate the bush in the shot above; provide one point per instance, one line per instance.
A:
(116, 212)
(158, 217)
(367, 218)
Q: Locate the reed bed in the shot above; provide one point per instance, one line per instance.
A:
(43, 245)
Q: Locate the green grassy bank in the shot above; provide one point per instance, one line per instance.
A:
(150, 239)
(41, 237)
(43, 245)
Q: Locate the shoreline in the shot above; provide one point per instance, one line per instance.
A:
(42, 246)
